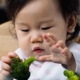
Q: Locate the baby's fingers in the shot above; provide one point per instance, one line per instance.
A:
(60, 44)
(45, 58)
(6, 60)
(50, 38)
(6, 67)
(66, 52)
(62, 47)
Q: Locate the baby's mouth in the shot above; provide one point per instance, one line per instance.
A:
(38, 50)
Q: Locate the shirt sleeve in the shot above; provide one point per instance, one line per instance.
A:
(75, 49)
(77, 59)
(20, 53)
(78, 67)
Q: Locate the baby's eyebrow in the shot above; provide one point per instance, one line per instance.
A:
(46, 21)
(21, 23)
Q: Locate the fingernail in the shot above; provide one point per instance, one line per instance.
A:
(45, 36)
(57, 46)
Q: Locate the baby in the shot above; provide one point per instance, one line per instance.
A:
(44, 29)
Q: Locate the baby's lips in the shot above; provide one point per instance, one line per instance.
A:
(38, 51)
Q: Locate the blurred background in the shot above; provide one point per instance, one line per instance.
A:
(3, 14)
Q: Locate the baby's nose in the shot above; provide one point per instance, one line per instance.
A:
(37, 38)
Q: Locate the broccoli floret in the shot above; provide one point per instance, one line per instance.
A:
(75, 77)
(71, 75)
(20, 70)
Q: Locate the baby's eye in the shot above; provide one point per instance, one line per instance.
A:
(25, 30)
(46, 28)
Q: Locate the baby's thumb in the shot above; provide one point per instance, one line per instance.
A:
(12, 55)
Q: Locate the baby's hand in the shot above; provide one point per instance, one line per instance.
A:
(59, 51)
(6, 62)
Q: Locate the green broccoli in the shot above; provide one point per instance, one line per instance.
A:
(71, 75)
(20, 70)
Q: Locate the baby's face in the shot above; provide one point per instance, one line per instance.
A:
(35, 19)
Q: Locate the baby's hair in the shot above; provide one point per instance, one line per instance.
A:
(67, 8)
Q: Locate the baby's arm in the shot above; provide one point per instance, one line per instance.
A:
(6, 68)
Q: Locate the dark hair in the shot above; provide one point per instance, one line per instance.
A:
(67, 7)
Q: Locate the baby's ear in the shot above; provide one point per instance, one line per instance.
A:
(72, 21)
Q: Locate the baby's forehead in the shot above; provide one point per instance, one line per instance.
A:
(40, 8)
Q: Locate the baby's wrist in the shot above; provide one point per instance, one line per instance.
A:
(71, 64)
(3, 77)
